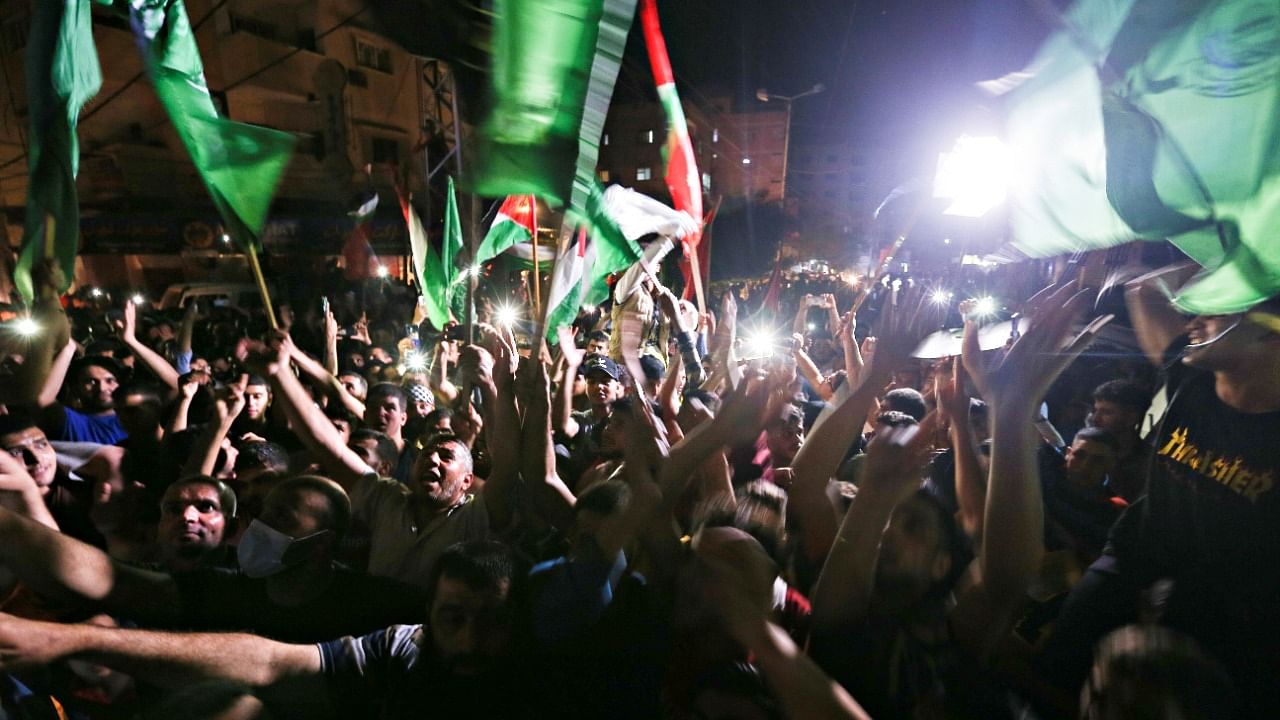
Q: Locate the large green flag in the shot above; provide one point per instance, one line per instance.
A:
(240, 164)
(429, 271)
(62, 74)
(454, 281)
(1150, 119)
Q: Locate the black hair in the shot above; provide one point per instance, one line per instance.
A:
(1144, 672)
(384, 447)
(598, 335)
(16, 422)
(256, 455)
(1125, 393)
(906, 400)
(480, 565)
(1098, 435)
(152, 393)
(706, 397)
(257, 380)
(226, 496)
(604, 498)
(383, 390)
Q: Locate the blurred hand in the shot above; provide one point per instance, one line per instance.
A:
(895, 459)
(475, 366)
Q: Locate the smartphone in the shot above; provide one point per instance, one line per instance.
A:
(457, 332)
(324, 305)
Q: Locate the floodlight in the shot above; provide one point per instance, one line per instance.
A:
(940, 297)
(758, 344)
(138, 299)
(26, 327)
(415, 361)
(974, 176)
(507, 315)
(382, 271)
(984, 306)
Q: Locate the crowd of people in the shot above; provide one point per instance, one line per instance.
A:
(355, 514)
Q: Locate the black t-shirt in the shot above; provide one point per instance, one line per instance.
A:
(1211, 515)
(352, 604)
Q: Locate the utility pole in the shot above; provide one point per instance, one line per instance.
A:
(764, 95)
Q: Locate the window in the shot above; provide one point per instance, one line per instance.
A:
(372, 56)
(604, 175)
(646, 137)
(14, 33)
(746, 161)
(715, 135)
(357, 78)
(605, 140)
(644, 173)
(706, 182)
(384, 151)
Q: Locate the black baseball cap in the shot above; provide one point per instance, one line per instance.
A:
(599, 363)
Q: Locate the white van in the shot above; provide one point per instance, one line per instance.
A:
(243, 296)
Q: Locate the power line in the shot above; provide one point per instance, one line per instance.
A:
(297, 50)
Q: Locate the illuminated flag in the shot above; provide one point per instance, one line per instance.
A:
(62, 74)
(514, 224)
(1154, 120)
(682, 178)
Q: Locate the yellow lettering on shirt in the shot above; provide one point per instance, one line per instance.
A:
(1230, 473)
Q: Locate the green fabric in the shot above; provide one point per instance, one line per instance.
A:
(429, 271)
(62, 73)
(455, 281)
(240, 164)
(1178, 137)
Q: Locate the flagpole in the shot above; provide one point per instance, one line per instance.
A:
(901, 237)
(252, 252)
(694, 265)
(537, 280)
(540, 329)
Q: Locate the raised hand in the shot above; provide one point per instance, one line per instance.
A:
(475, 365)
(1031, 365)
(895, 458)
(128, 328)
(949, 394)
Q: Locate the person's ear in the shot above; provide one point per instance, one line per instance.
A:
(468, 481)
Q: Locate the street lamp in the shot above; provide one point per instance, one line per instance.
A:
(764, 95)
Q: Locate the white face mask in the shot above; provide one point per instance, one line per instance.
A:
(265, 551)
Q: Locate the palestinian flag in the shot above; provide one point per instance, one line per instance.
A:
(515, 223)
(1152, 120)
(566, 294)
(433, 284)
(62, 74)
(682, 178)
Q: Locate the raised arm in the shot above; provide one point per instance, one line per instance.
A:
(203, 459)
(320, 375)
(1154, 318)
(166, 659)
(479, 369)
(1013, 530)
(562, 418)
(19, 493)
(58, 566)
(809, 370)
(971, 485)
(184, 353)
(330, 341)
(307, 420)
(158, 366)
(552, 498)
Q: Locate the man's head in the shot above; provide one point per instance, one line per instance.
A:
(922, 554)
(140, 407)
(1118, 406)
(1148, 672)
(598, 343)
(20, 437)
(442, 474)
(603, 380)
(654, 371)
(387, 409)
(1233, 343)
(355, 384)
(303, 520)
(376, 449)
(906, 400)
(93, 381)
(596, 506)
(257, 398)
(784, 435)
(256, 458)
(470, 612)
(1091, 456)
(194, 515)
(342, 420)
(421, 401)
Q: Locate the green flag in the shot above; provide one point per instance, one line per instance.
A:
(427, 268)
(456, 282)
(1176, 135)
(62, 74)
(240, 164)
(514, 224)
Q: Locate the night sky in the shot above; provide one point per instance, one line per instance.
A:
(899, 73)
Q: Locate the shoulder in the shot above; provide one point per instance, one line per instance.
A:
(394, 647)
(371, 491)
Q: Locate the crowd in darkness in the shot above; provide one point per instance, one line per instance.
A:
(355, 514)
